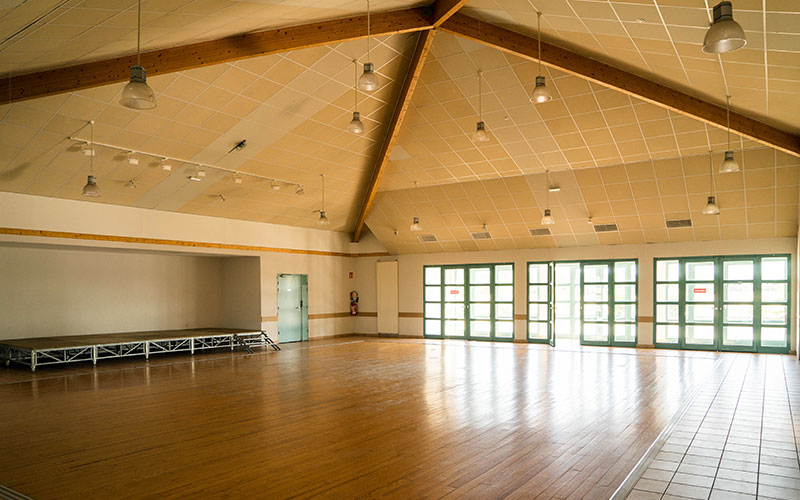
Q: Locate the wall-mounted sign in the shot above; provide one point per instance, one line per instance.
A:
(454, 292)
(699, 290)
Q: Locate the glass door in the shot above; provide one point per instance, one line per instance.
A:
(480, 302)
(773, 284)
(455, 301)
(700, 311)
(738, 313)
(595, 303)
(540, 299)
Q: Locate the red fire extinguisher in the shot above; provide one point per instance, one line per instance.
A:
(353, 303)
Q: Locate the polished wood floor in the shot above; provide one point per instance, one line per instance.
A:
(350, 418)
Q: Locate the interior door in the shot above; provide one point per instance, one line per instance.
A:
(701, 309)
(480, 302)
(540, 299)
(455, 302)
(739, 316)
(595, 303)
(551, 310)
(291, 309)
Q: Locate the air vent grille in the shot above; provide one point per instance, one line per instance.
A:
(605, 228)
(679, 223)
(427, 238)
(540, 231)
(483, 235)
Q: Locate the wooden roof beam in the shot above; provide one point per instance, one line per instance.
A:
(444, 10)
(620, 80)
(404, 100)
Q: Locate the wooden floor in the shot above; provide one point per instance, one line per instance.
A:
(350, 418)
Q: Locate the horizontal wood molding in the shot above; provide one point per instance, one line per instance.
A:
(269, 319)
(520, 316)
(410, 315)
(179, 243)
(330, 315)
(368, 314)
(184, 57)
(645, 319)
(620, 80)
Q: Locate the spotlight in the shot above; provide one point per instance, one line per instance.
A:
(165, 165)
(132, 159)
(237, 179)
(274, 185)
(299, 191)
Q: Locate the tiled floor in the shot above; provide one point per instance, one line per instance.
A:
(738, 440)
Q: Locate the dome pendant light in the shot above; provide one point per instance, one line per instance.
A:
(137, 94)
(415, 225)
(480, 134)
(711, 207)
(540, 92)
(368, 81)
(729, 164)
(323, 218)
(547, 219)
(724, 34)
(355, 126)
(91, 188)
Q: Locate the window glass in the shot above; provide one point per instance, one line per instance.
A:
(700, 271)
(433, 275)
(667, 270)
(537, 273)
(454, 276)
(504, 275)
(625, 272)
(737, 270)
(774, 268)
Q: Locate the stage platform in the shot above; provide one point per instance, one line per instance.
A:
(40, 351)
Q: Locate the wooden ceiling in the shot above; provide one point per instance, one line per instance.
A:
(631, 88)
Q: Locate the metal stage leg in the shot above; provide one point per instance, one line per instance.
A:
(269, 341)
(147, 350)
(239, 341)
(94, 355)
(33, 361)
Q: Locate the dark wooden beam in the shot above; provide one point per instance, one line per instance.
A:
(444, 9)
(623, 81)
(157, 62)
(403, 101)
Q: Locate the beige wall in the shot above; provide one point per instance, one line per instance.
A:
(241, 292)
(410, 272)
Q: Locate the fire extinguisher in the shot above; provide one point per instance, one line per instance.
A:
(353, 303)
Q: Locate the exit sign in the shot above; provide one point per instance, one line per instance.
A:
(699, 290)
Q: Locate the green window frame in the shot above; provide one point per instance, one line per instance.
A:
(472, 301)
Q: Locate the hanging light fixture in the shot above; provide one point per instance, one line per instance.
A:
(323, 218)
(729, 164)
(711, 207)
(368, 81)
(91, 188)
(415, 225)
(540, 92)
(480, 134)
(724, 34)
(355, 126)
(547, 219)
(137, 94)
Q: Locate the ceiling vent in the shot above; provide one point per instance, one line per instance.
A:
(679, 223)
(605, 228)
(427, 238)
(481, 235)
(540, 231)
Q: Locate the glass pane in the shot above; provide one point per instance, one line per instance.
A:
(562, 310)
(595, 273)
(595, 293)
(625, 313)
(625, 333)
(454, 276)
(699, 313)
(433, 275)
(433, 293)
(699, 292)
(433, 310)
(537, 330)
(625, 272)
(667, 270)
(537, 312)
(737, 335)
(597, 332)
(480, 275)
(480, 328)
(773, 292)
(773, 315)
(454, 294)
(774, 268)
(480, 293)
(700, 334)
(504, 293)
(537, 273)
(433, 327)
(504, 311)
(454, 311)
(737, 313)
(700, 271)
(667, 334)
(504, 329)
(737, 270)
(667, 293)
(504, 274)
(537, 293)
(563, 292)
(738, 292)
(454, 328)
(667, 313)
(625, 293)
(480, 311)
(773, 337)
(595, 312)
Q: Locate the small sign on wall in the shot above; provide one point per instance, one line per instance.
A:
(699, 290)
(351, 274)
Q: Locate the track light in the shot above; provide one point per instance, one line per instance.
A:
(554, 189)
(132, 159)
(131, 184)
(195, 178)
(299, 191)
(540, 92)
(87, 149)
(137, 94)
(166, 165)
(368, 81)
(200, 173)
(221, 197)
(275, 185)
(237, 179)
(91, 188)
(724, 34)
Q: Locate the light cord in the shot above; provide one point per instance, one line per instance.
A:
(480, 96)
(139, 36)
(729, 122)
(368, 31)
(539, 32)
(355, 87)
(91, 146)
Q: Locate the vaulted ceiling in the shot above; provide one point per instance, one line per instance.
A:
(617, 157)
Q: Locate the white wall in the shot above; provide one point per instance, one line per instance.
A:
(241, 292)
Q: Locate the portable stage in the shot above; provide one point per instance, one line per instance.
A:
(40, 351)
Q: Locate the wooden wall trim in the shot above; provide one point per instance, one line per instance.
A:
(367, 314)
(271, 319)
(179, 243)
(410, 315)
(645, 319)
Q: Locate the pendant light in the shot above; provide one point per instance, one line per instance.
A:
(415, 225)
(724, 34)
(368, 81)
(547, 219)
(323, 218)
(711, 207)
(137, 94)
(355, 126)
(540, 92)
(480, 134)
(91, 188)
(729, 164)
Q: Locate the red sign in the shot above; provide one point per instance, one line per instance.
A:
(453, 292)
(351, 274)
(699, 290)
